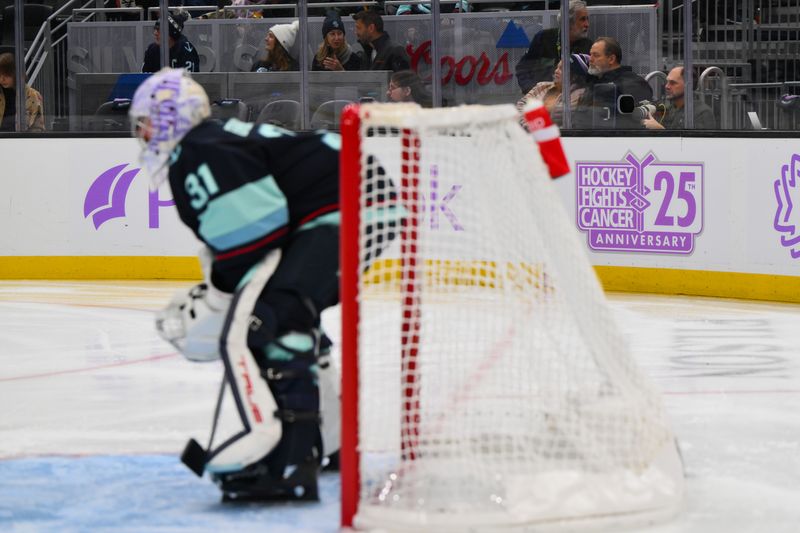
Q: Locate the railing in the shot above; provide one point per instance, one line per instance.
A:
(737, 100)
(762, 99)
(92, 12)
(39, 66)
(657, 88)
(721, 93)
(765, 33)
(46, 61)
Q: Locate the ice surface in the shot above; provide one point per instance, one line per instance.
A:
(95, 408)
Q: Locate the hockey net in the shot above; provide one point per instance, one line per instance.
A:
(485, 384)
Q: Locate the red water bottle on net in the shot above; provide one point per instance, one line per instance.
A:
(547, 136)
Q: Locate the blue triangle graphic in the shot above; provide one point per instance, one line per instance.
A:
(513, 37)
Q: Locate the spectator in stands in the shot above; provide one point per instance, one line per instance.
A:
(551, 93)
(334, 53)
(671, 115)
(406, 86)
(461, 6)
(125, 16)
(608, 80)
(539, 62)
(281, 55)
(34, 109)
(182, 53)
(221, 13)
(380, 53)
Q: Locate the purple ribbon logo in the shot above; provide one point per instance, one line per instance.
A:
(637, 205)
(786, 217)
(106, 196)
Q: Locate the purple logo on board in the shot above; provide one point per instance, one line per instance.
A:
(441, 205)
(787, 217)
(107, 194)
(640, 205)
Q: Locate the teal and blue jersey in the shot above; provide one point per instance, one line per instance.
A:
(244, 189)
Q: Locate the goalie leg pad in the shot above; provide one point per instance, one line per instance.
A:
(291, 372)
(289, 470)
(329, 380)
(294, 351)
(254, 401)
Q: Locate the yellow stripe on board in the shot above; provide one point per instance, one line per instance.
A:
(466, 273)
(490, 274)
(614, 278)
(743, 285)
(113, 267)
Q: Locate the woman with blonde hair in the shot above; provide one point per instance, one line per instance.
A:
(334, 53)
(281, 55)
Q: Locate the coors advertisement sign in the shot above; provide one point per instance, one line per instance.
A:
(635, 205)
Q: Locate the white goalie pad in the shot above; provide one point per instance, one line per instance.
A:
(192, 321)
(329, 405)
(256, 406)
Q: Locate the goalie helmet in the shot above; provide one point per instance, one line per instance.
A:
(164, 108)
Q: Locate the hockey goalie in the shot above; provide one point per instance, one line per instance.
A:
(264, 201)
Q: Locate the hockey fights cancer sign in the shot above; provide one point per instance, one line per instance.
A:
(643, 205)
(787, 216)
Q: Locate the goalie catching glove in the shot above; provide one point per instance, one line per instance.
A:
(193, 320)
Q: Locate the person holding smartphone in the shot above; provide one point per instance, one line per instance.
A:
(334, 53)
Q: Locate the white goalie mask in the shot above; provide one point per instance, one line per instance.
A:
(164, 108)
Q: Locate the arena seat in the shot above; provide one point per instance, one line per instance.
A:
(328, 114)
(283, 113)
(230, 108)
(111, 116)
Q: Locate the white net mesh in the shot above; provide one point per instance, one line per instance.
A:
(495, 389)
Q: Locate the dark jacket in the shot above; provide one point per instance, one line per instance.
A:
(597, 108)
(389, 56)
(703, 117)
(350, 61)
(181, 55)
(539, 62)
(265, 66)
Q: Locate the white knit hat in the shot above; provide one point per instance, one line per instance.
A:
(286, 35)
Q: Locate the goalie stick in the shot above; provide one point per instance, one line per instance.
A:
(194, 455)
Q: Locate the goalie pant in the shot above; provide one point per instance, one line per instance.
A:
(246, 191)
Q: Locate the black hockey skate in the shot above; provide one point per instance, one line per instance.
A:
(330, 463)
(288, 473)
(257, 484)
